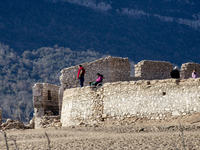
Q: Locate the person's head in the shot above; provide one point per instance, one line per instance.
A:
(98, 74)
(80, 65)
(194, 70)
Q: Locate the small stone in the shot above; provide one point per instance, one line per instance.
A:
(72, 126)
(81, 123)
(104, 116)
(175, 113)
(8, 121)
(112, 114)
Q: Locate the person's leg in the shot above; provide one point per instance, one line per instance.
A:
(93, 83)
(81, 80)
(96, 83)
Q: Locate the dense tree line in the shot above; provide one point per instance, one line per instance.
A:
(155, 30)
(18, 73)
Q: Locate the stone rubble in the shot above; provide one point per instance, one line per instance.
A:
(15, 124)
(50, 121)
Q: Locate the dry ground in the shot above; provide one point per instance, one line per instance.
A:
(128, 134)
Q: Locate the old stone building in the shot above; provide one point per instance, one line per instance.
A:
(149, 94)
(45, 100)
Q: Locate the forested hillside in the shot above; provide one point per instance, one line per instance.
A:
(18, 73)
(158, 30)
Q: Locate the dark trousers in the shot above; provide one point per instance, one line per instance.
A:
(81, 80)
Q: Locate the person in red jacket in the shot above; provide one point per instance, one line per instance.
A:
(80, 75)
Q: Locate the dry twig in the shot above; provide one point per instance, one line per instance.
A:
(182, 136)
(175, 147)
(15, 143)
(48, 140)
(5, 137)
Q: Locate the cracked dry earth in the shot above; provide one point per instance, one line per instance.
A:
(140, 135)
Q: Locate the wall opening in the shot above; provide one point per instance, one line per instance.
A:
(49, 95)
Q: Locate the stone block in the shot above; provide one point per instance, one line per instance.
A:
(176, 113)
(104, 116)
(112, 114)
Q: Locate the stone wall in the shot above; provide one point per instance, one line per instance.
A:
(45, 99)
(147, 69)
(0, 116)
(187, 69)
(113, 69)
(155, 99)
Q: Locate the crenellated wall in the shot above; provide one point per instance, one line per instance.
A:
(155, 99)
(148, 69)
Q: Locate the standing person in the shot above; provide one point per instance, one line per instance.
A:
(80, 75)
(175, 73)
(194, 74)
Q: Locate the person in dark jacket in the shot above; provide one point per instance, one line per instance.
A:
(175, 73)
(80, 75)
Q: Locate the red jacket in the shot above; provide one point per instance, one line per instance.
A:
(83, 72)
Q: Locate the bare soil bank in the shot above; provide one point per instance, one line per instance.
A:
(128, 134)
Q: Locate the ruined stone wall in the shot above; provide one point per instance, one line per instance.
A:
(113, 69)
(45, 99)
(0, 116)
(78, 104)
(120, 69)
(147, 69)
(155, 99)
(187, 69)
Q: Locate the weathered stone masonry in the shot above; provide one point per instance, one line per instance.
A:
(113, 69)
(187, 69)
(147, 69)
(139, 96)
(155, 99)
(45, 101)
